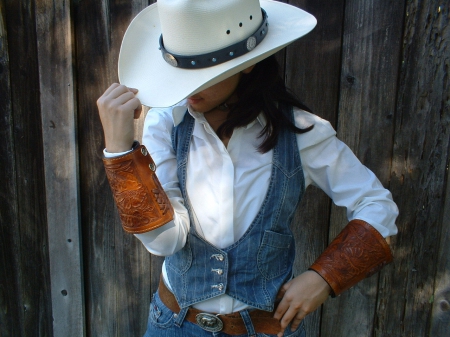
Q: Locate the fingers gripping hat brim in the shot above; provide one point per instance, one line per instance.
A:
(141, 65)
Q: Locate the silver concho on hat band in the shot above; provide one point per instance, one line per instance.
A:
(170, 59)
(251, 43)
(209, 322)
(219, 56)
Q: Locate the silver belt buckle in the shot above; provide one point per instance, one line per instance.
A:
(209, 322)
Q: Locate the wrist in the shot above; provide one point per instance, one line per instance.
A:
(117, 147)
(320, 280)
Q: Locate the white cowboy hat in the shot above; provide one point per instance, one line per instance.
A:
(202, 43)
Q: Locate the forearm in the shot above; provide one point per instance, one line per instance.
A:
(359, 251)
(140, 199)
(170, 237)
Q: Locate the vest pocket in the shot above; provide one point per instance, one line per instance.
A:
(273, 254)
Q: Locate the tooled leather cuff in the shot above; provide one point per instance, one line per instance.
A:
(142, 203)
(359, 251)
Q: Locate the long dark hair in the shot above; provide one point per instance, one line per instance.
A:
(263, 90)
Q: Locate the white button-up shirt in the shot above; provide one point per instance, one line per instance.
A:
(227, 185)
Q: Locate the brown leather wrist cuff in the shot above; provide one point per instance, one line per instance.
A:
(142, 203)
(359, 251)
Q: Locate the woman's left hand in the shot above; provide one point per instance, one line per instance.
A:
(300, 296)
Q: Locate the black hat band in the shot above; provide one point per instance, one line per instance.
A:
(220, 56)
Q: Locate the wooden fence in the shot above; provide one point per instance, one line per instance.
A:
(377, 69)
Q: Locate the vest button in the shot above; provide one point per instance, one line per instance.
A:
(218, 257)
(218, 271)
(218, 286)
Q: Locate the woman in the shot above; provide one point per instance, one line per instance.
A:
(233, 161)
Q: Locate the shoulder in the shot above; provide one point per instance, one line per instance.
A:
(167, 117)
(322, 128)
(159, 115)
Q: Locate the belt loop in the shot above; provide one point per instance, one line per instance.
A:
(179, 318)
(248, 323)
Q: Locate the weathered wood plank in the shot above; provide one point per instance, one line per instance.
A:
(97, 212)
(118, 267)
(55, 47)
(440, 319)
(30, 231)
(313, 62)
(371, 50)
(312, 72)
(420, 158)
(11, 313)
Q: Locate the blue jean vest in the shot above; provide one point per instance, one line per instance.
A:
(253, 269)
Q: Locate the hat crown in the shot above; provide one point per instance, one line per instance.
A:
(193, 27)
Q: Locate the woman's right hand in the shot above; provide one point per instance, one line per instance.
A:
(118, 107)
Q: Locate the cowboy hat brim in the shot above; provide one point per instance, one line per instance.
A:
(142, 66)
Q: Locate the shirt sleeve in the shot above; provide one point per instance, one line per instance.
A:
(330, 165)
(171, 237)
(114, 154)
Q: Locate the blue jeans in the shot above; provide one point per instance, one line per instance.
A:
(161, 323)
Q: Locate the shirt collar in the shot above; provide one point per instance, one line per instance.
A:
(179, 111)
(178, 114)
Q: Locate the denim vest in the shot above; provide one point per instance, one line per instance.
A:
(253, 269)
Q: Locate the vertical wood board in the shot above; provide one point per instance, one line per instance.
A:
(440, 319)
(32, 244)
(11, 314)
(418, 174)
(370, 59)
(313, 61)
(55, 43)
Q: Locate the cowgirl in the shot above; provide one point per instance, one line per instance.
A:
(233, 159)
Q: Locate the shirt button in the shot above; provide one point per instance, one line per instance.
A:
(218, 271)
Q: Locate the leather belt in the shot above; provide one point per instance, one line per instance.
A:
(232, 324)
